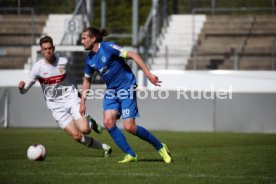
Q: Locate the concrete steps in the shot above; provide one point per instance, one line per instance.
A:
(57, 26)
(16, 38)
(176, 42)
(251, 37)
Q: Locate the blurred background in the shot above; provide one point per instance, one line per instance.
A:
(195, 44)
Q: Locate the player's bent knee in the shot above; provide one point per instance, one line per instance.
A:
(109, 123)
(85, 130)
(83, 126)
(77, 136)
(130, 128)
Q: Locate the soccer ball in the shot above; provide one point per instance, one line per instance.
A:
(36, 152)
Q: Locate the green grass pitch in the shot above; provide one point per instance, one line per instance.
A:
(198, 158)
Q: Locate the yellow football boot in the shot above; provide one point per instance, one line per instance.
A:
(129, 158)
(165, 154)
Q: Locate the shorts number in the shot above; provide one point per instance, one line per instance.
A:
(125, 112)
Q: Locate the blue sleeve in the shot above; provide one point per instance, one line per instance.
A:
(88, 70)
(116, 50)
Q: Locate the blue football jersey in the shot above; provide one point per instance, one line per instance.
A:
(109, 61)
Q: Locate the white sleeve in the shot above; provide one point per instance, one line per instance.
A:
(31, 79)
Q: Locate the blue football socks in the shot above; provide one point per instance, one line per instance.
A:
(120, 140)
(144, 134)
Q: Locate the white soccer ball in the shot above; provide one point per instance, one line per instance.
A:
(36, 152)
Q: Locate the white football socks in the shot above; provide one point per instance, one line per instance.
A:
(105, 146)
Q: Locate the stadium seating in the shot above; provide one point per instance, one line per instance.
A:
(57, 26)
(16, 38)
(224, 39)
(175, 42)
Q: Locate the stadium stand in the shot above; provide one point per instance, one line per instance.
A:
(57, 27)
(16, 38)
(176, 41)
(224, 39)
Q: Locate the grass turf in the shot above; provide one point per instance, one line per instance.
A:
(198, 158)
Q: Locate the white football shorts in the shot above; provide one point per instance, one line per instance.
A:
(65, 111)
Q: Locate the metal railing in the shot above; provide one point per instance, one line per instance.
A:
(273, 60)
(156, 22)
(72, 28)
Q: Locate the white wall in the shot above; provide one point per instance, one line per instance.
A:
(250, 108)
(245, 112)
(241, 81)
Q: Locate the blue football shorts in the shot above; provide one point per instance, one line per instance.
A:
(123, 101)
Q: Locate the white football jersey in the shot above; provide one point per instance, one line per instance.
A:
(55, 83)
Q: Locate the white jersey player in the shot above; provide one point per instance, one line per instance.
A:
(61, 96)
(56, 85)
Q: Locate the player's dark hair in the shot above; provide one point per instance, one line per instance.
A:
(94, 32)
(46, 39)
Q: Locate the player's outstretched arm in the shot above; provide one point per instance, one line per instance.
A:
(25, 86)
(85, 87)
(139, 61)
(21, 86)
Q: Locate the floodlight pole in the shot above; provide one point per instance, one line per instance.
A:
(18, 7)
(135, 30)
(103, 14)
(154, 28)
(134, 23)
(213, 6)
(273, 7)
(89, 10)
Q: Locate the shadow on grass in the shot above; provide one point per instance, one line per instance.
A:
(150, 160)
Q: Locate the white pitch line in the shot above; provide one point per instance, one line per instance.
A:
(143, 174)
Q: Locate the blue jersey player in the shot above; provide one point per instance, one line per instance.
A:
(108, 59)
